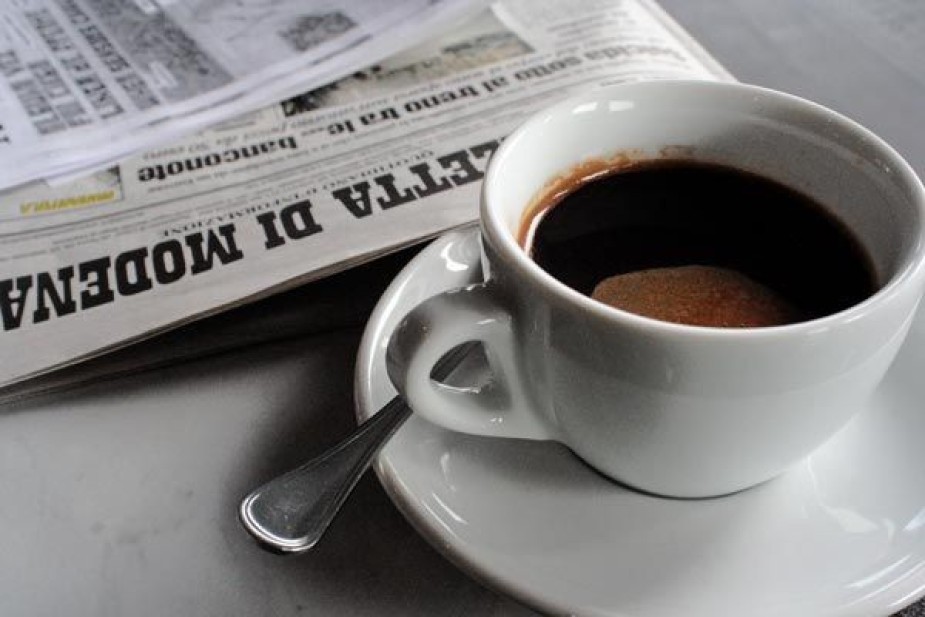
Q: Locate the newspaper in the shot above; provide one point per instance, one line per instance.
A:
(83, 82)
(313, 185)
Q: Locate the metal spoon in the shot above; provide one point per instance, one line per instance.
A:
(290, 513)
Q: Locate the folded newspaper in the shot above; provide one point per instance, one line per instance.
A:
(301, 189)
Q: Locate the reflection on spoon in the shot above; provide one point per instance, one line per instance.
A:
(290, 513)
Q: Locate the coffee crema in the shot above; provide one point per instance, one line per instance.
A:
(696, 243)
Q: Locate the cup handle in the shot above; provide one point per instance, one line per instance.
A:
(499, 408)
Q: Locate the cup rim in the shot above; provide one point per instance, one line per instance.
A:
(504, 242)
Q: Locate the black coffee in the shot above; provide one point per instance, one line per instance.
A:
(698, 243)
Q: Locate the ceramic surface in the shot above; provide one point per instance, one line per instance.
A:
(673, 409)
(843, 533)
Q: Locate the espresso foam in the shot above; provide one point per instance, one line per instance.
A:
(697, 296)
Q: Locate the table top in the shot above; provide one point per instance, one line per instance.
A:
(120, 498)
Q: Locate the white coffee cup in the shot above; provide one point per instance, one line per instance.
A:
(673, 409)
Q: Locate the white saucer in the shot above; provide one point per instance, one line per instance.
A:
(841, 534)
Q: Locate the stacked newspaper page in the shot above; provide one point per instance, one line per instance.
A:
(83, 82)
(300, 189)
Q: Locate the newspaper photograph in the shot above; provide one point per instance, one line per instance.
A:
(309, 186)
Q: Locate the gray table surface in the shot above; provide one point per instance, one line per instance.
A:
(119, 498)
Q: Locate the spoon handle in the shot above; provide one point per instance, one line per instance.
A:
(290, 513)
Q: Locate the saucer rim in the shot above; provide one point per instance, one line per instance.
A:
(386, 473)
(881, 602)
